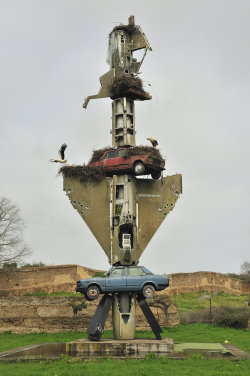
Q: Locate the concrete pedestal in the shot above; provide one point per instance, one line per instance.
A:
(124, 316)
(136, 348)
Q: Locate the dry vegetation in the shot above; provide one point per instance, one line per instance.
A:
(97, 154)
(83, 173)
(128, 86)
(141, 150)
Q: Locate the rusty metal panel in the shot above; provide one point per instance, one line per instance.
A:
(156, 198)
(92, 201)
(138, 40)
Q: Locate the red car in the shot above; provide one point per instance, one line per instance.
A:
(119, 160)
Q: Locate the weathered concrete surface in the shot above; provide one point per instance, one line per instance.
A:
(55, 314)
(95, 349)
(136, 348)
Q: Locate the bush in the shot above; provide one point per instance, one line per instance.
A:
(7, 265)
(33, 265)
(98, 274)
(232, 317)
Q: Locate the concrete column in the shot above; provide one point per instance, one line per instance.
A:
(123, 122)
(124, 316)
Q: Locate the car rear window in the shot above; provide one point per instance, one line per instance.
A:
(135, 271)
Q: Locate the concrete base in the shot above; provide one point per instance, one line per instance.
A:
(136, 348)
(85, 349)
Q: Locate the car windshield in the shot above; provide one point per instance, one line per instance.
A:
(109, 154)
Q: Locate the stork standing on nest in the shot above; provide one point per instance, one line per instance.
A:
(153, 141)
(61, 155)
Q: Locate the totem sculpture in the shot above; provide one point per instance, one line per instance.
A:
(122, 211)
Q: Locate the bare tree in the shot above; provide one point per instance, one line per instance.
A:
(245, 271)
(12, 245)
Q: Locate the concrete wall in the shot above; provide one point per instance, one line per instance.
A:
(16, 282)
(55, 314)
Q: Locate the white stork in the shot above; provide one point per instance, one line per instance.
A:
(153, 141)
(60, 158)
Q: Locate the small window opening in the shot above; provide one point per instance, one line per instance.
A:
(126, 229)
(120, 191)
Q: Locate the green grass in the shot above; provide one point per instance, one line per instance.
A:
(195, 302)
(142, 367)
(148, 366)
(183, 333)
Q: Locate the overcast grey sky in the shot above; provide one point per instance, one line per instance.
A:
(52, 55)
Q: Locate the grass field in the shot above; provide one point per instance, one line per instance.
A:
(148, 366)
(197, 301)
(142, 367)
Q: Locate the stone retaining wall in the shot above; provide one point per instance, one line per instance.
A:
(55, 314)
(16, 282)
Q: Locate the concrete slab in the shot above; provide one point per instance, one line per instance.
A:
(136, 348)
(85, 349)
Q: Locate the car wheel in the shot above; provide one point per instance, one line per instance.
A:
(148, 291)
(156, 175)
(92, 292)
(139, 168)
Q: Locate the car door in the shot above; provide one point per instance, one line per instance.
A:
(135, 278)
(109, 160)
(120, 161)
(116, 280)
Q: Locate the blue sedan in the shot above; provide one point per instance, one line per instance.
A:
(123, 279)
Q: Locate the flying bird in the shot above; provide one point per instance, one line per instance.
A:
(153, 141)
(61, 155)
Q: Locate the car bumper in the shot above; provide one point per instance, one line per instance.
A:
(81, 290)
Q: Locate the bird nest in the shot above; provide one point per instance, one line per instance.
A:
(140, 150)
(97, 154)
(83, 173)
(128, 86)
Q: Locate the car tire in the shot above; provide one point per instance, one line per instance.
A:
(92, 292)
(148, 291)
(156, 175)
(139, 168)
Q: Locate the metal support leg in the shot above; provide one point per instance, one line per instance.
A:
(149, 316)
(96, 326)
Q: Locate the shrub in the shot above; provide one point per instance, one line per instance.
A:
(33, 265)
(232, 317)
(98, 274)
(7, 265)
